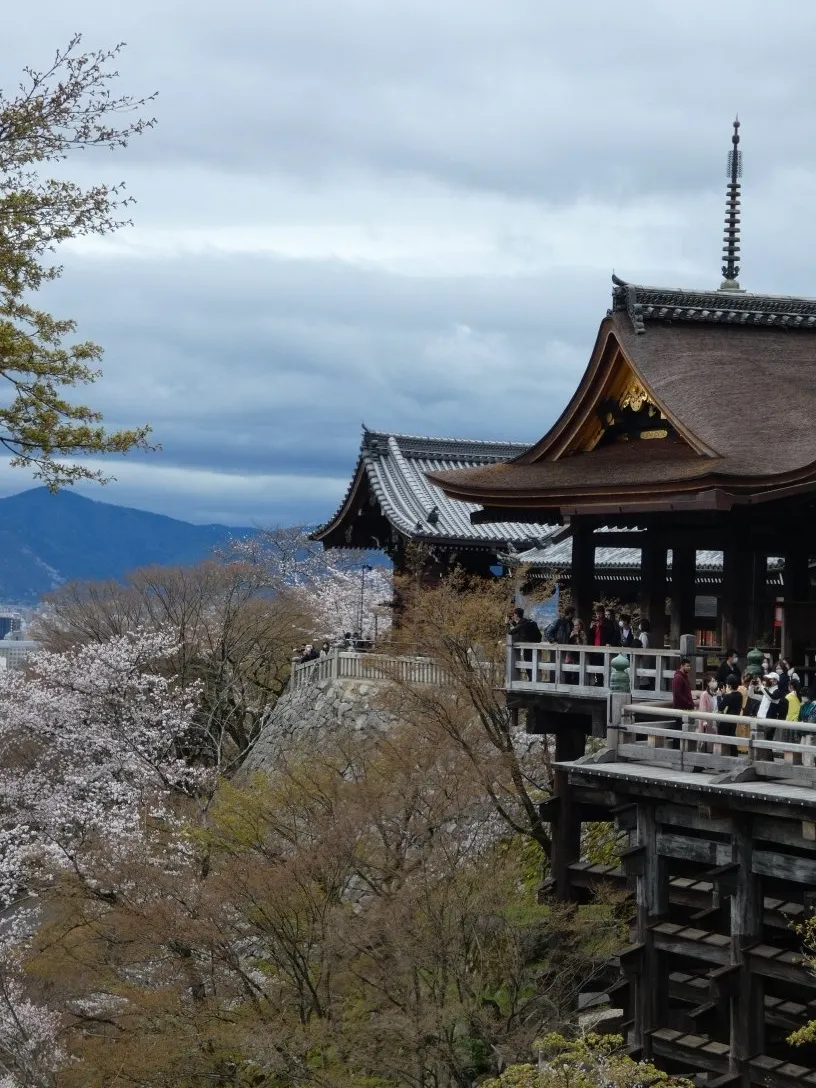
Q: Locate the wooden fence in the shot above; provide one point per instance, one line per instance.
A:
(770, 748)
(586, 670)
(350, 665)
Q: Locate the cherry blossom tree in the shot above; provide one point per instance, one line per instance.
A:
(342, 588)
(92, 745)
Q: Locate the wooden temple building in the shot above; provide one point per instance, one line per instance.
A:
(391, 504)
(691, 430)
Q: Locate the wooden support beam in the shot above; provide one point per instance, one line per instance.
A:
(683, 582)
(652, 899)
(566, 812)
(582, 577)
(734, 602)
(747, 908)
(759, 618)
(653, 573)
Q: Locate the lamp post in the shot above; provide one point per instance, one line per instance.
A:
(363, 571)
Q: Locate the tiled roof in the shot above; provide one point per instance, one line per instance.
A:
(730, 307)
(394, 466)
(753, 451)
(559, 557)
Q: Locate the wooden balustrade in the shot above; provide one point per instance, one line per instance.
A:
(771, 748)
(350, 665)
(586, 670)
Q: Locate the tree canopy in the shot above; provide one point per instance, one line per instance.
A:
(54, 115)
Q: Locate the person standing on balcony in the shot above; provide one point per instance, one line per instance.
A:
(522, 629)
(561, 630)
(729, 667)
(730, 703)
(708, 705)
(771, 696)
(603, 631)
(627, 635)
(682, 695)
(644, 630)
(791, 704)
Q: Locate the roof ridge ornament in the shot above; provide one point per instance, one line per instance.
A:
(731, 236)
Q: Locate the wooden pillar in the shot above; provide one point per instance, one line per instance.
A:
(748, 1000)
(684, 584)
(652, 903)
(653, 586)
(566, 824)
(797, 575)
(797, 633)
(759, 619)
(736, 593)
(583, 570)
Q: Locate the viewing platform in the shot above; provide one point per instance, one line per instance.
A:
(717, 841)
(586, 671)
(354, 665)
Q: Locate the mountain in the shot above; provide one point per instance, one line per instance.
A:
(47, 539)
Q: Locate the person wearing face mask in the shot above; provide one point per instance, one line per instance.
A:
(730, 703)
(754, 692)
(708, 704)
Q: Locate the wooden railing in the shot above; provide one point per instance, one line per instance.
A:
(770, 748)
(587, 670)
(350, 665)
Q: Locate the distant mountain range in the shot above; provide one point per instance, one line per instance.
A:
(47, 539)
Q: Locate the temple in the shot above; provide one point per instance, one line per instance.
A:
(690, 434)
(391, 504)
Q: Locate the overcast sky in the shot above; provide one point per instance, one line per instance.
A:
(406, 213)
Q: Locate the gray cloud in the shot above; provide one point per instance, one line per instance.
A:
(407, 214)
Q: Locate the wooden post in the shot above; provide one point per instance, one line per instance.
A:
(566, 826)
(617, 700)
(748, 1001)
(759, 616)
(583, 569)
(651, 997)
(735, 603)
(797, 591)
(653, 586)
(683, 583)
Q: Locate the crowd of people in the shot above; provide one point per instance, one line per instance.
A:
(778, 694)
(349, 641)
(607, 628)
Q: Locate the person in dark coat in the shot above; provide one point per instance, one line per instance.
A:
(729, 667)
(730, 703)
(562, 628)
(522, 629)
(603, 631)
(627, 635)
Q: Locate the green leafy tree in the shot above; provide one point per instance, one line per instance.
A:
(807, 931)
(52, 116)
(592, 1061)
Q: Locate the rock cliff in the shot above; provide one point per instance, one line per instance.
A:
(305, 714)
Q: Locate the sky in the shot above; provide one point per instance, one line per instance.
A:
(405, 213)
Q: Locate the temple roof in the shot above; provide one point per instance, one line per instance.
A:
(557, 558)
(391, 476)
(730, 404)
(672, 304)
